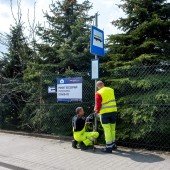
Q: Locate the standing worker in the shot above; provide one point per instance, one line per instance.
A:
(106, 107)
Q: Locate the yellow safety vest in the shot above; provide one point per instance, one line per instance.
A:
(108, 100)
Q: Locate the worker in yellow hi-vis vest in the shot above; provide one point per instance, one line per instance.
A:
(85, 139)
(106, 107)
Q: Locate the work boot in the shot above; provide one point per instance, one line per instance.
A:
(107, 150)
(83, 146)
(74, 144)
(114, 147)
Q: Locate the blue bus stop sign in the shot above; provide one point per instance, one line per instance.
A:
(97, 41)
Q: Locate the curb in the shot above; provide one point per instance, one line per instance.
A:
(64, 138)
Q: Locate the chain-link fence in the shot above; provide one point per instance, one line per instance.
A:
(28, 106)
(142, 94)
(58, 115)
(143, 98)
(19, 101)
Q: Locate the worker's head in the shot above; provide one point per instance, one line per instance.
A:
(100, 84)
(80, 111)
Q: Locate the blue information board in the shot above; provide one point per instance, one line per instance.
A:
(97, 41)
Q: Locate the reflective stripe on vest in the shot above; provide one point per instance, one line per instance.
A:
(108, 100)
(107, 107)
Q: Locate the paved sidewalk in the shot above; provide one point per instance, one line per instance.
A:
(22, 153)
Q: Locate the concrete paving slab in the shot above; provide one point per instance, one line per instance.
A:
(33, 153)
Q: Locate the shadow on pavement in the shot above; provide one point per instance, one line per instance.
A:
(9, 166)
(139, 156)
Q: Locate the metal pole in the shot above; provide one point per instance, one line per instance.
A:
(96, 24)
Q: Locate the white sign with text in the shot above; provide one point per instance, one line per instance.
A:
(69, 89)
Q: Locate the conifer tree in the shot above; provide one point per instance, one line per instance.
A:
(138, 70)
(66, 38)
(146, 37)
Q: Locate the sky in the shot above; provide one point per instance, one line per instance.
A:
(106, 8)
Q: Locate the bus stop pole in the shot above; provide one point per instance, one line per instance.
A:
(95, 128)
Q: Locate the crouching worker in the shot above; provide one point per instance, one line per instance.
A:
(81, 137)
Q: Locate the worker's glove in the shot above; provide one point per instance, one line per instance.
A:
(97, 116)
(90, 118)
